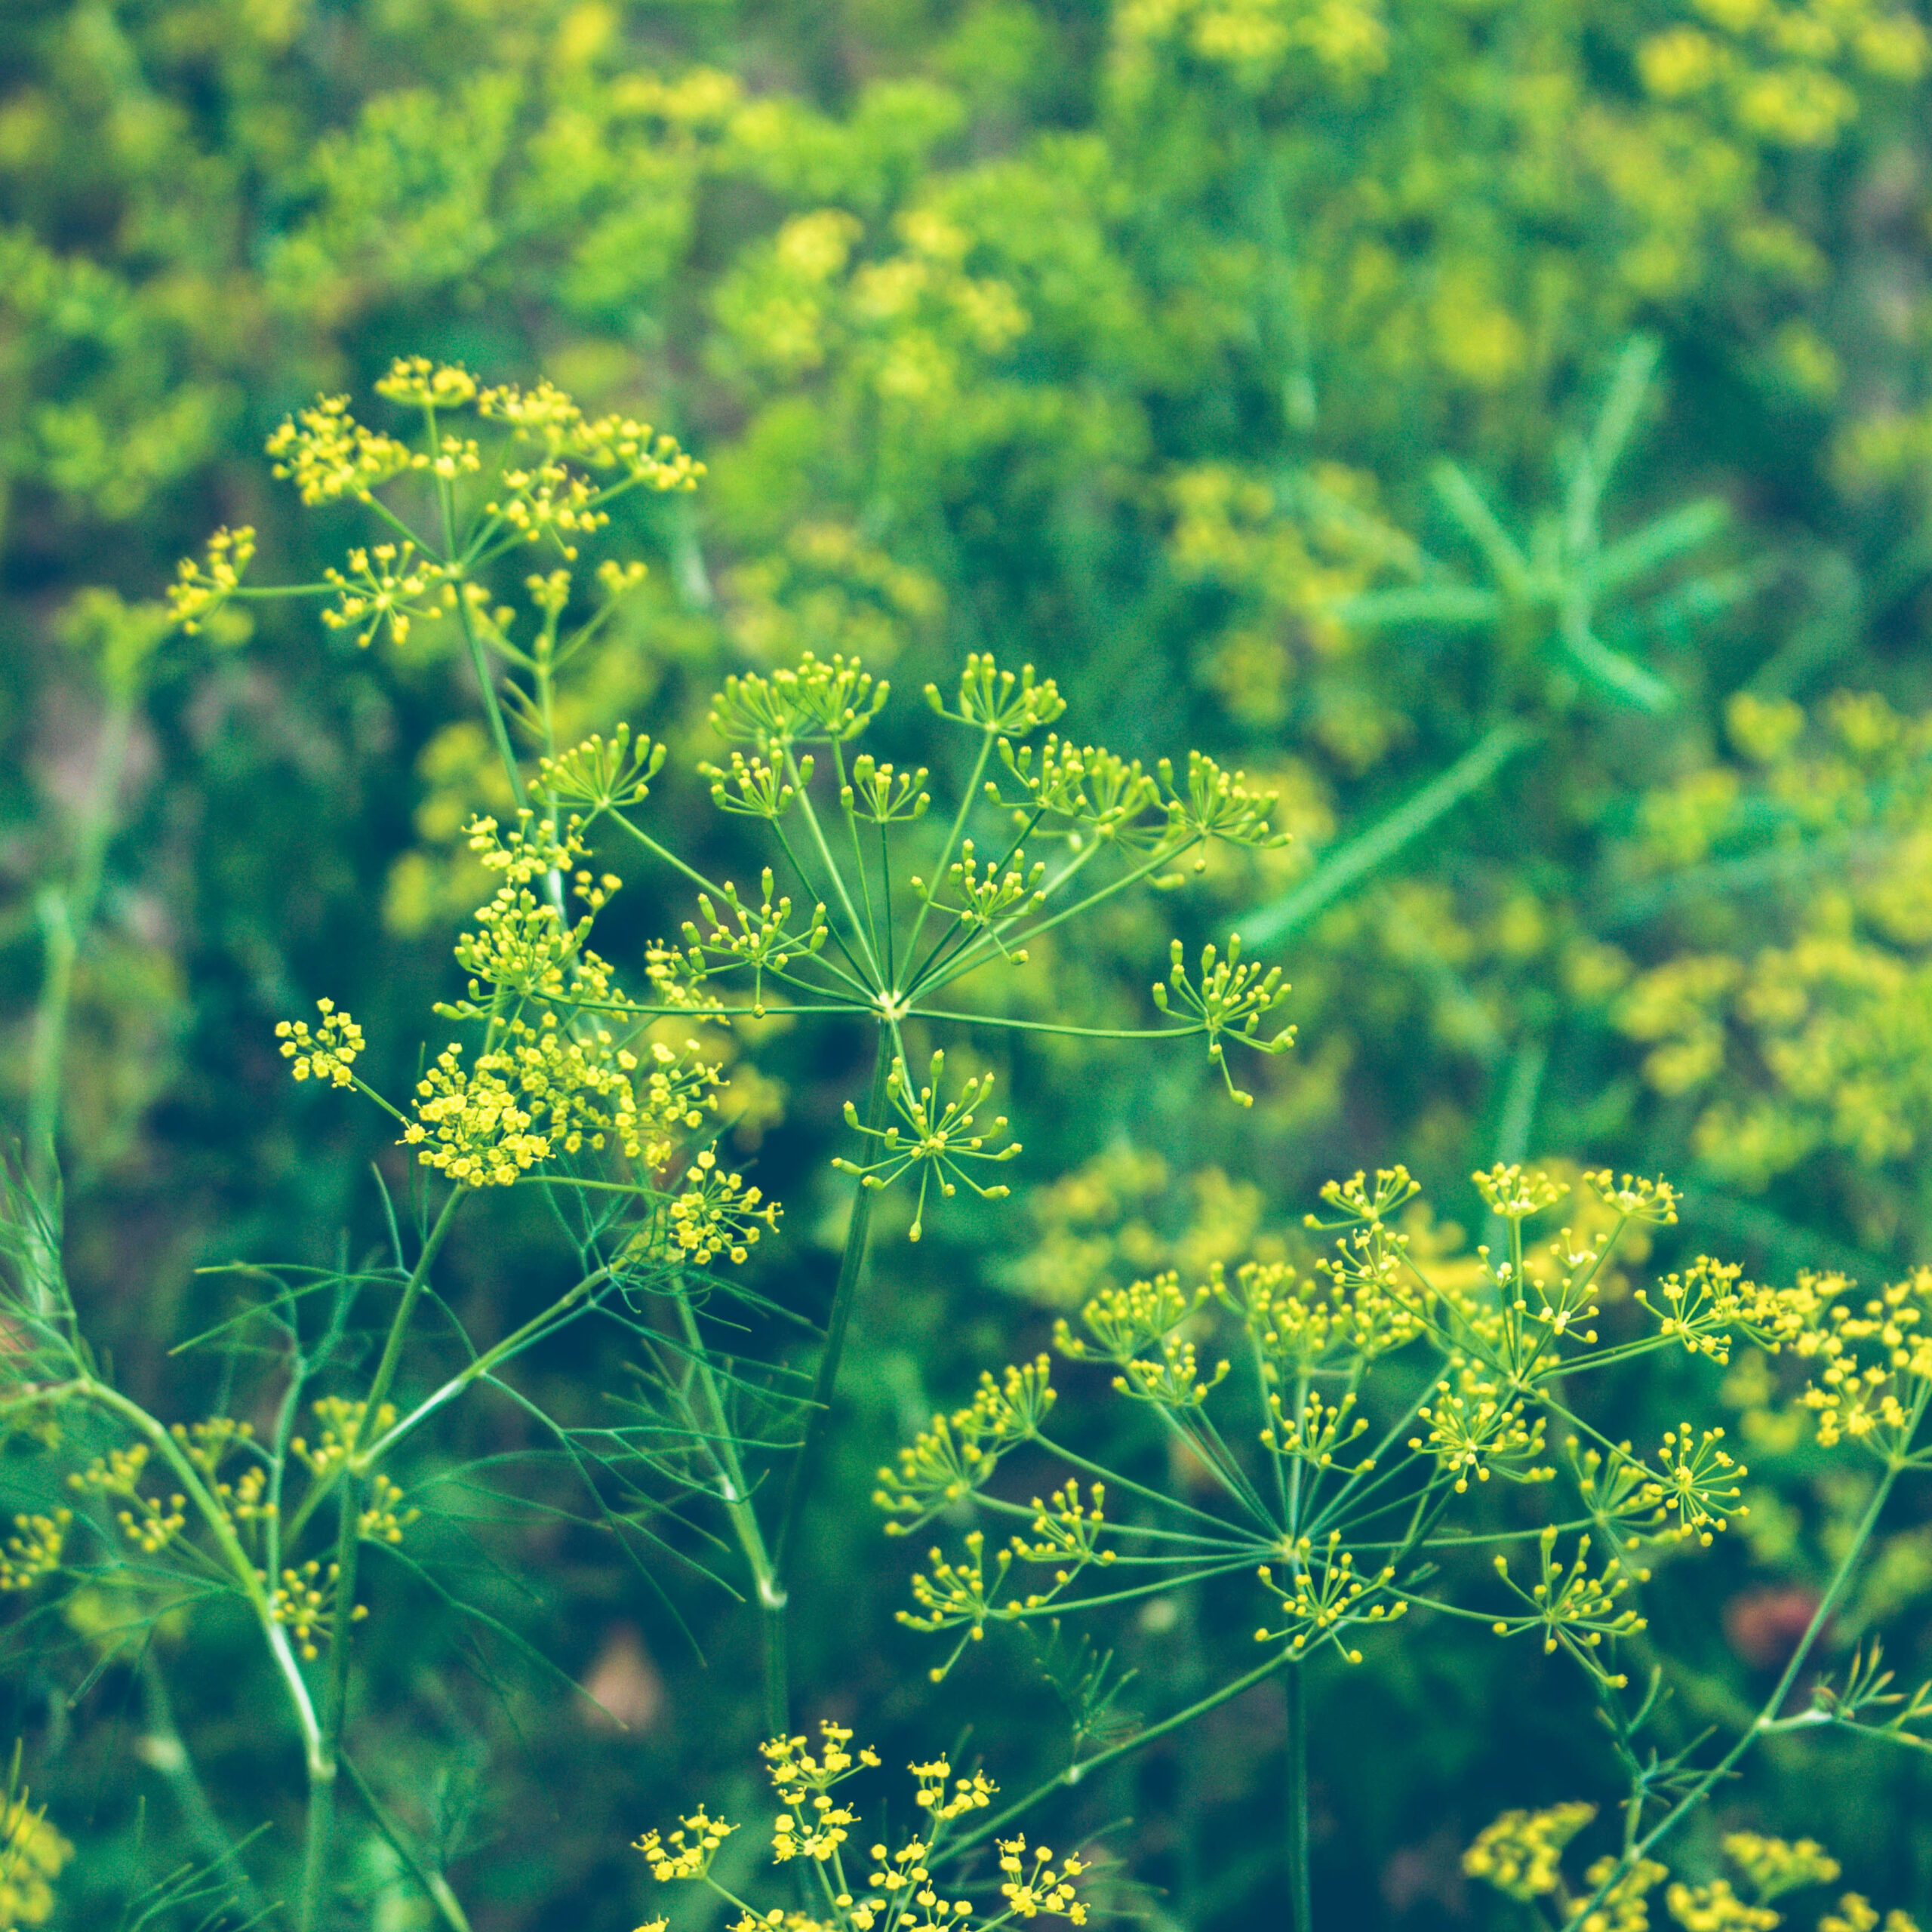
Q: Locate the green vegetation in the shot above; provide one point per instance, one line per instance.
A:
(1428, 505)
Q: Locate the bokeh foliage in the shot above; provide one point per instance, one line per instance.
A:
(1504, 428)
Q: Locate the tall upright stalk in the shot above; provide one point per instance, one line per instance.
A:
(66, 911)
(325, 1754)
(1301, 1910)
(319, 1840)
(735, 1493)
(1301, 1915)
(851, 1267)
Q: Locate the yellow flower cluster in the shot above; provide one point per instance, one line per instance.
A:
(200, 589)
(306, 1602)
(1573, 1606)
(956, 1595)
(956, 1454)
(717, 1212)
(34, 1549)
(1773, 66)
(244, 1501)
(415, 382)
(915, 326)
(343, 1431)
(1123, 1321)
(1507, 1331)
(542, 1091)
(815, 1826)
(1323, 1596)
(973, 1793)
(1515, 1192)
(551, 1080)
(383, 1519)
(386, 583)
(150, 1525)
(1716, 1907)
(546, 416)
(1774, 1867)
(1821, 1041)
(1855, 1914)
(1066, 1530)
(32, 1856)
(689, 1849)
(524, 943)
(1520, 1854)
(1346, 39)
(545, 1087)
(1033, 1886)
(1371, 1304)
(328, 1053)
(328, 455)
(1875, 1380)
(1227, 1001)
(1701, 1485)
(933, 1136)
(1477, 1425)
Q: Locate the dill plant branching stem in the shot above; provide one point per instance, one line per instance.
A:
(66, 912)
(849, 960)
(1767, 1722)
(1504, 1332)
(851, 1266)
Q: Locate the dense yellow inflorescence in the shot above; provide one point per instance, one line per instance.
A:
(1521, 1855)
(32, 1856)
(1507, 1333)
(814, 1826)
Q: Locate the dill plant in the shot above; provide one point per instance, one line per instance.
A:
(562, 1077)
(1695, 150)
(1347, 1440)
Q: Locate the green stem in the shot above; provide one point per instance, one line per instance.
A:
(859, 930)
(671, 859)
(881, 957)
(959, 818)
(1074, 1773)
(734, 1493)
(366, 1459)
(385, 1377)
(499, 730)
(169, 1755)
(851, 1265)
(1047, 1026)
(1767, 1713)
(244, 1571)
(436, 1887)
(318, 1843)
(66, 912)
(951, 946)
(412, 1290)
(990, 943)
(1382, 841)
(1301, 1910)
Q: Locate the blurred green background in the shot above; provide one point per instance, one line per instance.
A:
(1504, 426)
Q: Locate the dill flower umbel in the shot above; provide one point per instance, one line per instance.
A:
(328, 455)
(328, 1053)
(1521, 1853)
(201, 589)
(34, 1549)
(718, 1214)
(32, 1856)
(815, 1825)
